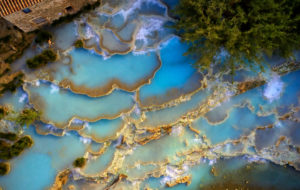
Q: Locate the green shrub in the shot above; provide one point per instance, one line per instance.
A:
(78, 44)
(9, 136)
(27, 117)
(41, 59)
(16, 149)
(79, 162)
(4, 168)
(43, 36)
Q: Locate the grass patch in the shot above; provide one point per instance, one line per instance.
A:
(79, 162)
(41, 59)
(4, 168)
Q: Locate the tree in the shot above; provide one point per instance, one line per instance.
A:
(233, 32)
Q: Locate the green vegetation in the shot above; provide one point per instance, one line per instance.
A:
(71, 17)
(245, 30)
(79, 162)
(13, 84)
(78, 44)
(8, 152)
(8, 136)
(4, 168)
(3, 112)
(42, 36)
(27, 117)
(41, 59)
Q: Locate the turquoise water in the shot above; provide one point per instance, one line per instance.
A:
(16, 100)
(97, 165)
(102, 130)
(97, 74)
(172, 114)
(60, 106)
(176, 76)
(131, 103)
(240, 122)
(47, 156)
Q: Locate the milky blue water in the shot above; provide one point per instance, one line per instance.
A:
(15, 100)
(102, 130)
(60, 105)
(174, 74)
(42, 162)
(139, 86)
(92, 71)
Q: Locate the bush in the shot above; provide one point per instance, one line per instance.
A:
(9, 136)
(16, 149)
(43, 36)
(79, 162)
(78, 44)
(41, 59)
(27, 117)
(4, 168)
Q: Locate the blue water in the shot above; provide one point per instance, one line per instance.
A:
(240, 122)
(15, 100)
(47, 156)
(103, 101)
(59, 106)
(175, 73)
(93, 72)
